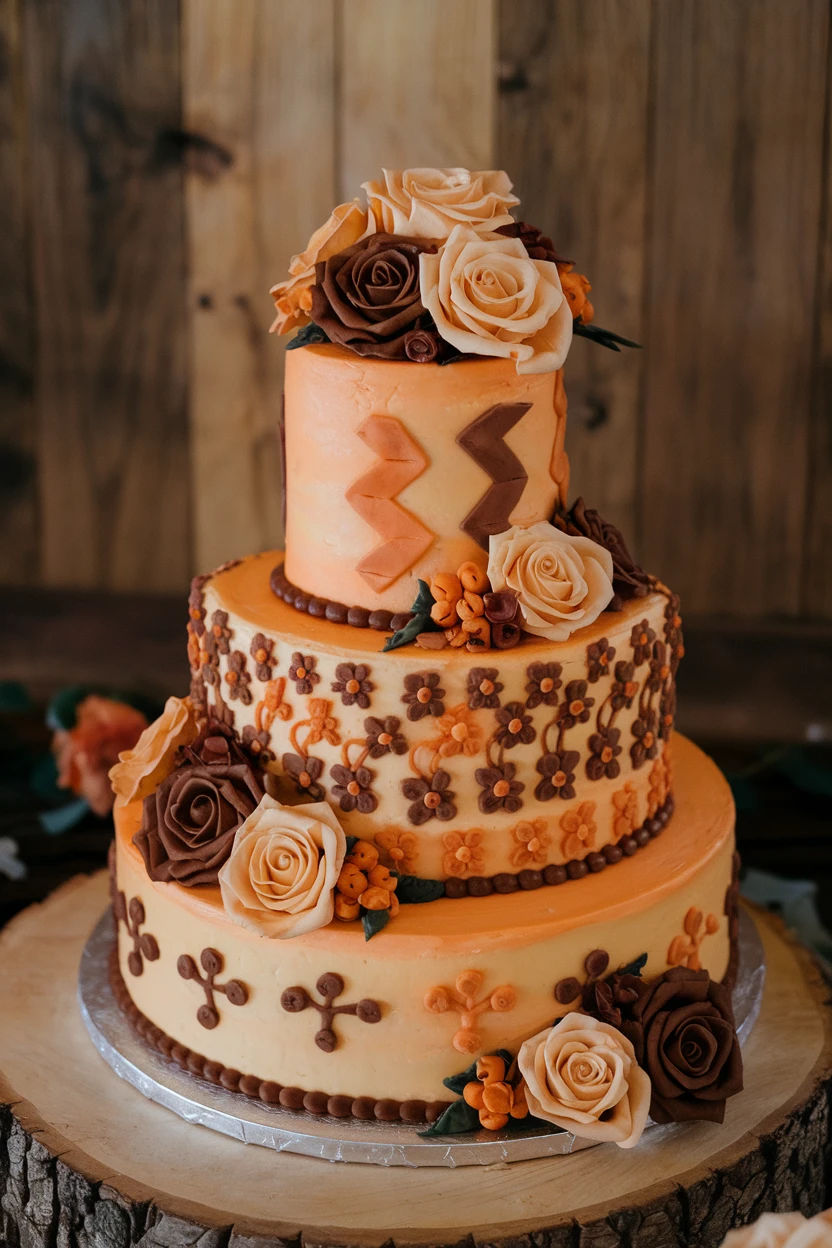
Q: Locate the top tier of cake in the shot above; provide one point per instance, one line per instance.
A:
(396, 471)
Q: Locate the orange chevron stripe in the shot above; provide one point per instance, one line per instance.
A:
(404, 538)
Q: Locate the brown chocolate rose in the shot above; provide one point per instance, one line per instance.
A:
(628, 579)
(367, 297)
(537, 244)
(189, 823)
(684, 1037)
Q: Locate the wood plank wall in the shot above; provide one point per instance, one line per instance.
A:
(160, 162)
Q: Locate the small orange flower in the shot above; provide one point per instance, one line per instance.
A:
(323, 726)
(659, 786)
(531, 843)
(579, 830)
(625, 805)
(400, 848)
(463, 854)
(459, 733)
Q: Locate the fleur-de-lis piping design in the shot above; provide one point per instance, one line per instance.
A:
(212, 964)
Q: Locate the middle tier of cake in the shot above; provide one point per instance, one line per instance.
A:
(497, 770)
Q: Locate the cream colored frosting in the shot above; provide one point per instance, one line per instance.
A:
(601, 811)
(523, 943)
(331, 393)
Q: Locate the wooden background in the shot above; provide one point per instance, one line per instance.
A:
(161, 161)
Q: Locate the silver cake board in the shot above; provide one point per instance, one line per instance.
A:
(334, 1139)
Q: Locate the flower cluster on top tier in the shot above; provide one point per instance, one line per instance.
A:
(434, 268)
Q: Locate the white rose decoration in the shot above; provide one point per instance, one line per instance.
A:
(280, 877)
(783, 1230)
(428, 203)
(562, 583)
(582, 1075)
(488, 297)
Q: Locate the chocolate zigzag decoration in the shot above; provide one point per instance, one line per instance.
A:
(483, 440)
(404, 538)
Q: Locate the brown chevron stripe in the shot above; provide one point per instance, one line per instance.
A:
(483, 441)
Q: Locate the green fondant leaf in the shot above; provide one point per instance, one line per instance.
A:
(457, 1119)
(351, 842)
(309, 336)
(412, 890)
(421, 622)
(373, 921)
(604, 337)
(635, 967)
(456, 1083)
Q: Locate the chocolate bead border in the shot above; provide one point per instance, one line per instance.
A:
(364, 1108)
(381, 620)
(559, 873)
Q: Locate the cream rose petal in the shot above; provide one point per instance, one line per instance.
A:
(581, 1070)
(280, 877)
(429, 203)
(488, 297)
(293, 297)
(562, 582)
(141, 770)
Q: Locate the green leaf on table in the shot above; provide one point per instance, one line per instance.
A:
(13, 697)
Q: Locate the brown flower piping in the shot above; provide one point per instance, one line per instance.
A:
(366, 1108)
(212, 964)
(330, 986)
(336, 612)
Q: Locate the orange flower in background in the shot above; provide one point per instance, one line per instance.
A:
(531, 841)
(84, 754)
(293, 298)
(579, 829)
(400, 848)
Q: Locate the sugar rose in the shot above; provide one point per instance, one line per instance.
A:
(140, 770)
(783, 1230)
(293, 298)
(428, 203)
(562, 582)
(583, 1076)
(367, 297)
(488, 297)
(280, 878)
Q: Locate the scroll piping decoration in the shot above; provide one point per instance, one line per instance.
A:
(145, 947)
(464, 999)
(329, 986)
(212, 964)
(404, 538)
(483, 441)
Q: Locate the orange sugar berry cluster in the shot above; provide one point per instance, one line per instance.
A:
(459, 607)
(364, 884)
(493, 1097)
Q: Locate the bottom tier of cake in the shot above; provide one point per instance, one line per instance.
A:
(329, 1023)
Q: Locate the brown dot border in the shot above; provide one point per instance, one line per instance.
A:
(559, 873)
(381, 620)
(298, 1100)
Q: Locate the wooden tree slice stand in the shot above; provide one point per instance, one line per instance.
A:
(86, 1161)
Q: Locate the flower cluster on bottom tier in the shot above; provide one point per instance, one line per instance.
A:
(317, 1023)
